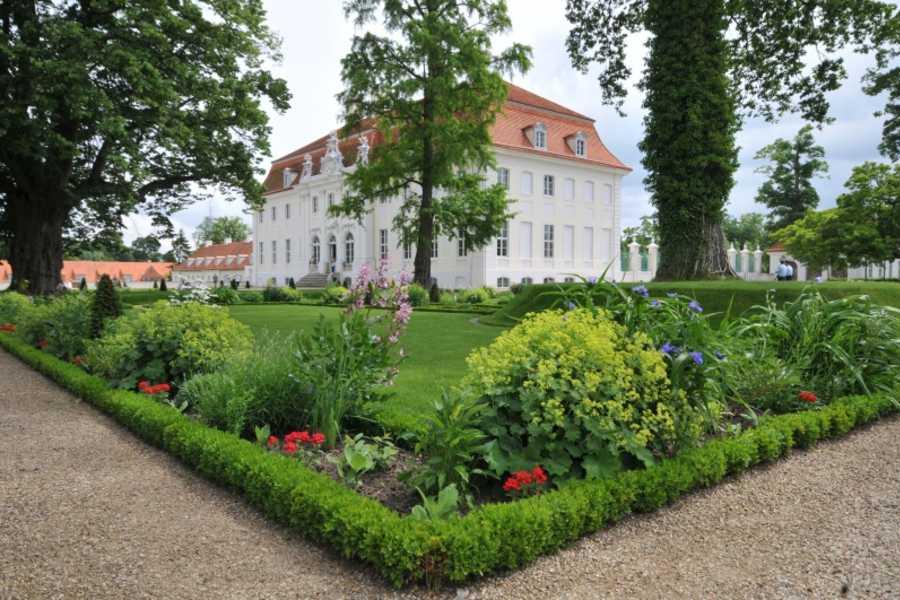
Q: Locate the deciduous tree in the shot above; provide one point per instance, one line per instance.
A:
(113, 105)
(221, 230)
(710, 63)
(433, 88)
(792, 165)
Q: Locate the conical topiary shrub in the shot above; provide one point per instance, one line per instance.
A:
(162, 285)
(106, 305)
(82, 285)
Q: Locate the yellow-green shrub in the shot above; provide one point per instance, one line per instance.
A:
(574, 393)
(12, 306)
(167, 342)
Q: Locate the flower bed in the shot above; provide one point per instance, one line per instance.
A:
(407, 549)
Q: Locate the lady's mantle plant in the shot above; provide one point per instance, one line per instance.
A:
(573, 392)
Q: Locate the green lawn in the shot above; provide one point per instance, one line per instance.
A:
(436, 344)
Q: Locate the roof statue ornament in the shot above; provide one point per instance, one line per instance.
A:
(307, 166)
(362, 156)
(333, 160)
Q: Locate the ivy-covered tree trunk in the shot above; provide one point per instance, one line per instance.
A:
(36, 249)
(689, 149)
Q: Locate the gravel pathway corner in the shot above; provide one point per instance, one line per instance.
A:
(89, 511)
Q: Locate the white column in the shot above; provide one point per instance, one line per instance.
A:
(757, 260)
(634, 257)
(731, 254)
(653, 261)
(745, 256)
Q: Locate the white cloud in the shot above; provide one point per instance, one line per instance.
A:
(316, 36)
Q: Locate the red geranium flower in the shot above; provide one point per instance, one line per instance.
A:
(273, 441)
(539, 475)
(807, 396)
(511, 485)
(289, 448)
(318, 439)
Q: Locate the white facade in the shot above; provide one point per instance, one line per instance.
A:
(567, 219)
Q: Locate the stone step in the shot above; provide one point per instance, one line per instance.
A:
(313, 280)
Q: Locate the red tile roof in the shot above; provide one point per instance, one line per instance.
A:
(521, 110)
(233, 256)
(73, 270)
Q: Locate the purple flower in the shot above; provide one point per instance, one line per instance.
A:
(641, 290)
(592, 280)
(655, 303)
(669, 348)
(719, 355)
(695, 306)
(570, 305)
(697, 357)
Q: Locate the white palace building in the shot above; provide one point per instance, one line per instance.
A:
(564, 189)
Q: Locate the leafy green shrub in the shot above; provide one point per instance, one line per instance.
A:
(434, 293)
(62, 322)
(224, 296)
(361, 455)
(449, 442)
(274, 294)
(477, 295)
(334, 294)
(167, 342)
(761, 381)
(163, 286)
(252, 296)
(106, 305)
(292, 294)
(252, 390)
(418, 296)
(448, 298)
(12, 306)
(572, 392)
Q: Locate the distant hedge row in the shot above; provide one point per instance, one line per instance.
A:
(490, 538)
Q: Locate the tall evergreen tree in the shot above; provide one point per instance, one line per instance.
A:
(181, 247)
(433, 88)
(107, 105)
(105, 305)
(761, 69)
(789, 191)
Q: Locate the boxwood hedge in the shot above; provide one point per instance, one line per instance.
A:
(490, 538)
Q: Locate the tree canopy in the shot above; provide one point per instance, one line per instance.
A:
(792, 165)
(711, 63)
(107, 107)
(748, 229)
(432, 87)
(222, 229)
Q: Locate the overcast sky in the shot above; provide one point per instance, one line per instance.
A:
(316, 36)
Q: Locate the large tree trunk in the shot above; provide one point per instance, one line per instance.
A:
(708, 258)
(36, 248)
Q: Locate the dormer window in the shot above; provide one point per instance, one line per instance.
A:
(540, 136)
(578, 143)
(288, 175)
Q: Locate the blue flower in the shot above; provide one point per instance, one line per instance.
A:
(719, 355)
(697, 357)
(592, 280)
(672, 294)
(655, 303)
(669, 348)
(641, 290)
(695, 306)
(570, 305)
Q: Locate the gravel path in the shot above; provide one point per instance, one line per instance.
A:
(89, 511)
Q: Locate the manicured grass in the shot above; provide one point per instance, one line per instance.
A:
(715, 296)
(436, 345)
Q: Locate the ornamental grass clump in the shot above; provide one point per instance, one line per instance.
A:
(573, 392)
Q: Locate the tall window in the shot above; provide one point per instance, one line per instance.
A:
(435, 244)
(383, 244)
(588, 241)
(461, 245)
(330, 199)
(316, 251)
(549, 182)
(548, 241)
(503, 282)
(503, 241)
(315, 204)
(568, 190)
(607, 192)
(287, 211)
(349, 248)
(527, 183)
(503, 177)
(540, 136)
(287, 251)
(332, 249)
(580, 146)
(261, 250)
(274, 252)
(407, 249)
(273, 213)
(589, 191)
(261, 213)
